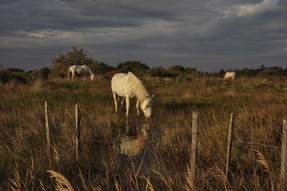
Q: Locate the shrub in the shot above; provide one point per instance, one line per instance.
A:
(18, 78)
(44, 73)
(160, 72)
(268, 72)
(133, 66)
(9, 75)
(4, 76)
(101, 68)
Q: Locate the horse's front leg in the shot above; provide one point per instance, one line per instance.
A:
(127, 106)
(137, 106)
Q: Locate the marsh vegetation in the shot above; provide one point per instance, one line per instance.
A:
(162, 162)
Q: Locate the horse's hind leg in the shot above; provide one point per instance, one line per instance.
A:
(73, 75)
(122, 102)
(127, 106)
(116, 102)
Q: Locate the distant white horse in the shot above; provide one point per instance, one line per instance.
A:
(229, 75)
(128, 86)
(80, 71)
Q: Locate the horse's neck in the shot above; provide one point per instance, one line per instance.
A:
(138, 88)
(142, 95)
(90, 71)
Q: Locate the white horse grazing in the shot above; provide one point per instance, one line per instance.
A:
(229, 75)
(83, 70)
(128, 86)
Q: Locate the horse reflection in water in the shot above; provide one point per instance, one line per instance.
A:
(135, 140)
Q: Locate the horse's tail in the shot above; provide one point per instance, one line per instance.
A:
(69, 73)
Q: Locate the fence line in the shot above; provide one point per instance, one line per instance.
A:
(78, 132)
(193, 145)
(47, 133)
(283, 178)
(283, 174)
(229, 144)
(258, 144)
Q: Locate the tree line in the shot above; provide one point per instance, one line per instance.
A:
(78, 56)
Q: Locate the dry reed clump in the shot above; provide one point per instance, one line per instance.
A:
(15, 183)
(55, 155)
(19, 182)
(262, 162)
(149, 186)
(189, 185)
(260, 159)
(61, 182)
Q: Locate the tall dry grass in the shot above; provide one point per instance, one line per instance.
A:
(162, 164)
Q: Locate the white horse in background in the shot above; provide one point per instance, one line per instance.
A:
(229, 75)
(80, 71)
(128, 86)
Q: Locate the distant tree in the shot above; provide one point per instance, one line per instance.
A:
(4, 76)
(15, 70)
(222, 72)
(177, 69)
(44, 73)
(133, 66)
(190, 70)
(160, 72)
(242, 73)
(272, 71)
(13, 74)
(101, 68)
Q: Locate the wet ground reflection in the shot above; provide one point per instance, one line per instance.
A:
(135, 138)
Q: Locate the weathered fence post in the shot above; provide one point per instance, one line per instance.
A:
(193, 144)
(283, 175)
(78, 131)
(47, 133)
(229, 144)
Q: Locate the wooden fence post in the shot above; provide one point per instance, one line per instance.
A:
(47, 133)
(193, 144)
(283, 175)
(78, 131)
(229, 145)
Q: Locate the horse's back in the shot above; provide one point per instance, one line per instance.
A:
(72, 67)
(118, 83)
(230, 75)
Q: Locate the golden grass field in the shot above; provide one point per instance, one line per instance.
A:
(259, 106)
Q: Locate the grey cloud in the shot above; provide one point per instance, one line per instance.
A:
(251, 9)
(158, 32)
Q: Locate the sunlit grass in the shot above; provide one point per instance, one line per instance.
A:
(259, 106)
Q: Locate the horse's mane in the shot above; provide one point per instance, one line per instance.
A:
(138, 86)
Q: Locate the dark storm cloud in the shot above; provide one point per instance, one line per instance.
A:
(206, 34)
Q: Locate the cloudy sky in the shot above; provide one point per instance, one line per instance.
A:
(207, 34)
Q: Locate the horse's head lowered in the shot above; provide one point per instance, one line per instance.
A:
(92, 76)
(147, 105)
